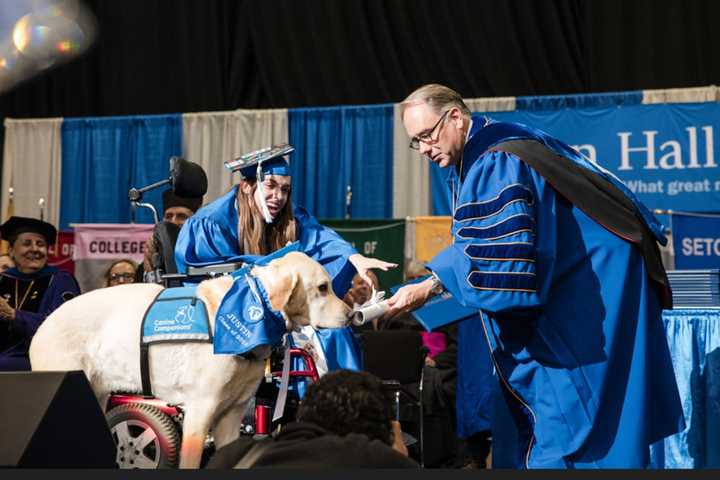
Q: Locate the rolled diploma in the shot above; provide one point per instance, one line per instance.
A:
(367, 313)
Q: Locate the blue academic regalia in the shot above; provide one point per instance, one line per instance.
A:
(211, 236)
(567, 308)
(38, 295)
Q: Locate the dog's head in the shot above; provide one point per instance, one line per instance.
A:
(301, 289)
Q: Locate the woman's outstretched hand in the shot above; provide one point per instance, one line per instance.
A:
(362, 264)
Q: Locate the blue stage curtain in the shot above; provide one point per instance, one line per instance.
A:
(340, 146)
(102, 158)
(694, 339)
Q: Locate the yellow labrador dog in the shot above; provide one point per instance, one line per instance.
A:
(99, 333)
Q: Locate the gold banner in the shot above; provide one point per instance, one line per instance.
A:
(432, 234)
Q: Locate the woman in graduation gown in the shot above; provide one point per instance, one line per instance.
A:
(30, 291)
(258, 218)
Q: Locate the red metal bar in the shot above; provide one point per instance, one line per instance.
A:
(262, 420)
(310, 369)
(166, 408)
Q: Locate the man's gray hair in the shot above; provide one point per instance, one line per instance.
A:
(436, 96)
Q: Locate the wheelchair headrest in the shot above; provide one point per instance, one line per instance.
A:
(188, 179)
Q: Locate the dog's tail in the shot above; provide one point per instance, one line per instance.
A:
(49, 348)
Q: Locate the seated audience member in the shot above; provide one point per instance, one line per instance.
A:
(6, 262)
(176, 211)
(120, 271)
(345, 420)
(30, 291)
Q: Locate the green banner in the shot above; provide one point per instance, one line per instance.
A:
(383, 239)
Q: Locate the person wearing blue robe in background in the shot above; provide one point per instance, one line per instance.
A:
(29, 291)
(235, 226)
(563, 264)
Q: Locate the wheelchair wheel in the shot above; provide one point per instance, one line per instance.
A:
(145, 437)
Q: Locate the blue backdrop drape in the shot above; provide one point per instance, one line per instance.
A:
(694, 339)
(340, 146)
(102, 158)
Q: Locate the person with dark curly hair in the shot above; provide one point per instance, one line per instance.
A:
(350, 402)
(345, 420)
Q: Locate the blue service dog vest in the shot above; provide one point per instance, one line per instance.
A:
(175, 315)
(244, 321)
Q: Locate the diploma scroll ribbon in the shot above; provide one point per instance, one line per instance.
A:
(370, 310)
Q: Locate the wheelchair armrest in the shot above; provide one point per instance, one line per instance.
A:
(390, 384)
(394, 386)
(214, 270)
(210, 271)
(173, 276)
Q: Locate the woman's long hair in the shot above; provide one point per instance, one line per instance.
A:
(257, 237)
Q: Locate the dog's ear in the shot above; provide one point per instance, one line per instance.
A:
(279, 284)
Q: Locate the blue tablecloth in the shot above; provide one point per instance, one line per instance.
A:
(694, 340)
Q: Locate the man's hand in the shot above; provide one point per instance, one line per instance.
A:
(409, 298)
(149, 250)
(6, 311)
(362, 264)
(398, 444)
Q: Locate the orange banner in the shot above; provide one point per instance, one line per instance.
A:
(432, 234)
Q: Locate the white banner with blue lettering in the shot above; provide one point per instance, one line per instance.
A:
(666, 153)
(697, 241)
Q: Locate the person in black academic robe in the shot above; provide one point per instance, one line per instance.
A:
(30, 291)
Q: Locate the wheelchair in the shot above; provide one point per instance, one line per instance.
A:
(147, 430)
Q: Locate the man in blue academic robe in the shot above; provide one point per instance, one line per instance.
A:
(561, 261)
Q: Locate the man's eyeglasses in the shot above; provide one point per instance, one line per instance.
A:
(427, 136)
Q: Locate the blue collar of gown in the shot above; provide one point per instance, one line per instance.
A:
(43, 272)
(486, 133)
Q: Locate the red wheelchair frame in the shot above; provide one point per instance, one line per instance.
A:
(156, 414)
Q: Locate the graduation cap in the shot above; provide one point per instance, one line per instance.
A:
(17, 225)
(172, 199)
(266, 161)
